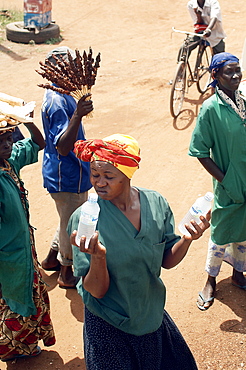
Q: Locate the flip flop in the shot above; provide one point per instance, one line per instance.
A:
(240, 286)
(36, 353)
(201, 307)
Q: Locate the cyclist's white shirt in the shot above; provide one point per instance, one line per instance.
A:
(211, 9)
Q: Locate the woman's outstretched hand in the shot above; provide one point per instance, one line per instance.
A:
(174, 255)
(199, 229)
(95, 248)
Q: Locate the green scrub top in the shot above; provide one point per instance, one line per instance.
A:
(220, 133)
(16, 263)
(136, 296)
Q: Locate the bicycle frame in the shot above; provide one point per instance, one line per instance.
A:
(199, 75)
(185, 54)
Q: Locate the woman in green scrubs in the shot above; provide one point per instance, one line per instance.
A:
(219, 143)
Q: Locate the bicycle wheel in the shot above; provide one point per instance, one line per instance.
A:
(178, 90)
(203, 74)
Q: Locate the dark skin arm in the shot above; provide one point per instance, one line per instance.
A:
(199, 16)
(96, 282)
(212, 168)
(36, 135)
(67, 140)
(173, 256)
(212, 22)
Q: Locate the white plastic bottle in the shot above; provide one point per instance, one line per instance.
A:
(200, 208)
(88, 219)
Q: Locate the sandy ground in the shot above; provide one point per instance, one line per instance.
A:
(131, 96)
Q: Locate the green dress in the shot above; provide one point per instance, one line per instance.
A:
(220, 133)
(16, 264)
(24, 306)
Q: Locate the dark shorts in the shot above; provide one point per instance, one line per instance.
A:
(219, 48)
(106, 347)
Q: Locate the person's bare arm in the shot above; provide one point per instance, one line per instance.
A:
(199, 16)
(67, 140)
(174, 255)
(212, 168)
(210, 27)
(36, 134)
(96, 282)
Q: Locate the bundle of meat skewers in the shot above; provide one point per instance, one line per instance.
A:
(73, 77)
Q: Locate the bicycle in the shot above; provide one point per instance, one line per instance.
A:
(200, 75)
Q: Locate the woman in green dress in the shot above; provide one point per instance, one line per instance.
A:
(126, 326)
(24, 302)
(219, 143)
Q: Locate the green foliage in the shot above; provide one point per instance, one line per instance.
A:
(9, 16)
(53, 41)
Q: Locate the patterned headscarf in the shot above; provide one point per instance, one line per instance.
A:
(121, 151)
(218, 61)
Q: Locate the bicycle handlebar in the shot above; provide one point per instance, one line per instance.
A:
(188, 33)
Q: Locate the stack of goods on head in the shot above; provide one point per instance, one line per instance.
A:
(14, 110)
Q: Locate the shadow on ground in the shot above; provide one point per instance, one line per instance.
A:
(235, 299)
(11, 53)
(46, 360)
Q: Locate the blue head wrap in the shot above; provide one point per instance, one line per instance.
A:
(218, 61)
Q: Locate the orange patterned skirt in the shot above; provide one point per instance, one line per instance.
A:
(20, 335)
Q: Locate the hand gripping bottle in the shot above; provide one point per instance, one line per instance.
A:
(88, 219)
(200, 208)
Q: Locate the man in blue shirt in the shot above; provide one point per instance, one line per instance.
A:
(65, 177)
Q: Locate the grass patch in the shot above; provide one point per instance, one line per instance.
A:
(9, 16)
(53, 41)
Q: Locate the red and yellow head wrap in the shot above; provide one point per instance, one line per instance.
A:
(121, 151)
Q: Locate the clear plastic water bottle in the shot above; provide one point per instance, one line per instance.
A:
(88, 219)
(200, 208)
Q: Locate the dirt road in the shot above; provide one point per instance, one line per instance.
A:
(132, 96)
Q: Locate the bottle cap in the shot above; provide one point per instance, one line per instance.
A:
(209, 196)
(93, 197)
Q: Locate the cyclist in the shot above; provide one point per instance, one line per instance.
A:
(207, 19)
(207, 13)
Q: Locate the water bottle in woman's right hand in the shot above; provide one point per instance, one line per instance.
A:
(88, 219)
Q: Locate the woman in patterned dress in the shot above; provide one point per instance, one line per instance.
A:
(219, 143)
(24, 303)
